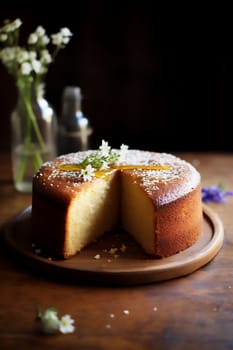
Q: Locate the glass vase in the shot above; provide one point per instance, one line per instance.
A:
(33, 135)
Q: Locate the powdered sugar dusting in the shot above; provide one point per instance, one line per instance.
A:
(151, 180)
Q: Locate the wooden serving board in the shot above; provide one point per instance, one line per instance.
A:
(116, 259)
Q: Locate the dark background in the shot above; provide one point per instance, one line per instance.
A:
(153, 78)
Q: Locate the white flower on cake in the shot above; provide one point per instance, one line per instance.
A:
(123, 151)
(104, 149)
(104, 157)
(87, 172)
(104, 165)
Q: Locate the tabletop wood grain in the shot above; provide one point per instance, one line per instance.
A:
(194, 312)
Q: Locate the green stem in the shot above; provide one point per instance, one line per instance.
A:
(28, 146)
(21, 169)
(37, 160)
(34, 122)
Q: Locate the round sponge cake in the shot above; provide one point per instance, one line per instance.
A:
(155, 197)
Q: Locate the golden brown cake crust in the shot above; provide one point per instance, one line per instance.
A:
(175, 193)
(183, 215)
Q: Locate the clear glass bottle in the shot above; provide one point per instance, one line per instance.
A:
(74, 128)
(33, 136)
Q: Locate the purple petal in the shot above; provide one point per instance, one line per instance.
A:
(215, 194)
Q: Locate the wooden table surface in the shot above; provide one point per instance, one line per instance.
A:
(191, 312)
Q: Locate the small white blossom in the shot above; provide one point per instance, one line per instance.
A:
(124, 148)
(8, 54)
(87, 172)
(65, 32)
(104, 148)
(66, 324)
(26, 68)
(12, 26)
(3, 37)
(66, 35)
(65, 40)
(46, 57)
(33, 38)
(32, 55)
(36, 65)
(16, 24)
(49, 321)
(122, 153)
(40, 31)
(62, 37)
(44, 40)
(57, 39)
(22, 55)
